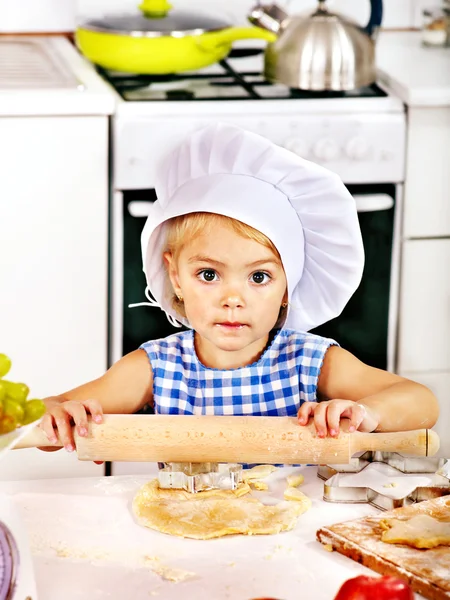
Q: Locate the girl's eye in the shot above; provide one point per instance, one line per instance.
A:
(207, 275)
(260, 277)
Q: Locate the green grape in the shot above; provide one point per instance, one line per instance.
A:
(13, 409)
(34, 409)
(16, 391)
(5, 365)
(7, 424)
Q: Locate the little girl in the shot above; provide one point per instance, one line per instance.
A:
(249, 246)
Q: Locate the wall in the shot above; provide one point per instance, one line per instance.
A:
(62, 15)
(398, 13)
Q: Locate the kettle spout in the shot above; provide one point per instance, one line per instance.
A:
(270, 17)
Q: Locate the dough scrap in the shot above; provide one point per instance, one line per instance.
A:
(295, 480)
(256, 484)
(296, 495)
(211, 514)
(258, 472)
(421, 531)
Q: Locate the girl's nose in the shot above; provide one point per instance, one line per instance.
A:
(233, 300)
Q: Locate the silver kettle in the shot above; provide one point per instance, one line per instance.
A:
(320, 52)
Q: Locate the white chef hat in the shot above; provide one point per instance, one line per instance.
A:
(304, 209)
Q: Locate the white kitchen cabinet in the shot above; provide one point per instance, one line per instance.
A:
(427, 184)
(423, 348)
(54, 265)
(424, 327)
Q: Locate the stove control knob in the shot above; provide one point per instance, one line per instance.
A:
(297, 146)
(357, 148)
(326, 150)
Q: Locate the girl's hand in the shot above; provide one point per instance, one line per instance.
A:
(62, 414)
(327, 416)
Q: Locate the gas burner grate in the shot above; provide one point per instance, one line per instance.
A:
(370, 91)
(226, 85)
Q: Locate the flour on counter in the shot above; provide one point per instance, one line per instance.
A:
(167, 573)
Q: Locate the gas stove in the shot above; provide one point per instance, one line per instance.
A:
(237, 86)
(227, 81)
(360, 134)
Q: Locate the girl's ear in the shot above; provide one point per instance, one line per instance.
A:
(171, 268)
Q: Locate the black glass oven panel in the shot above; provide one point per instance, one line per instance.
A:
(362, 328)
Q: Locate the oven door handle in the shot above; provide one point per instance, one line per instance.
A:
(139, 208)
(364, 203)
(373, 202)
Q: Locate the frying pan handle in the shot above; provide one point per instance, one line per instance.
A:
(228, 35)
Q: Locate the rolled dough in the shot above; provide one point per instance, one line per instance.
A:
(211, 514)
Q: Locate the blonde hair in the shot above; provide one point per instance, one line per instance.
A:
(184, 228)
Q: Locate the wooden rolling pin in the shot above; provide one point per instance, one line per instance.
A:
(181, 438)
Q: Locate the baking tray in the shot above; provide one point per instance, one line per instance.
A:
(386, 480)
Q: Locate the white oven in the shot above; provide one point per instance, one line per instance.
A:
(367, 327)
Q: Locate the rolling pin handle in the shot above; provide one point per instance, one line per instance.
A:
(433, 442)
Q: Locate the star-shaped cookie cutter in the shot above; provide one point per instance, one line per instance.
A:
(386, 480)
(199, 477)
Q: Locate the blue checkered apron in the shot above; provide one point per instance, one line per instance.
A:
(277, 384)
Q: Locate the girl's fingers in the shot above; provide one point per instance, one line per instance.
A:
(47, 426)
(305, 411)
(334, 414)
(57, 422)
(370, 419)
(62, 420)
(357, 416)
(95, 408)
(78, 413)
(328, 414)
(320, 419)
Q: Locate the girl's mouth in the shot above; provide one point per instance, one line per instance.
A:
(231, 325)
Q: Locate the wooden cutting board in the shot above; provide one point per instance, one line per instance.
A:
(427, 571)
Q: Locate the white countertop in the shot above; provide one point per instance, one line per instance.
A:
(47, 76)
(418, 75)
(85, 544)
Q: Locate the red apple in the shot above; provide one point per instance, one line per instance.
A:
(375, 588)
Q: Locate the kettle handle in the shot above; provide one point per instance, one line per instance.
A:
(376, 17)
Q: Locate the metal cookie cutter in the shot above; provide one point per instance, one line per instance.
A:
(199, 477)
(386, 480)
